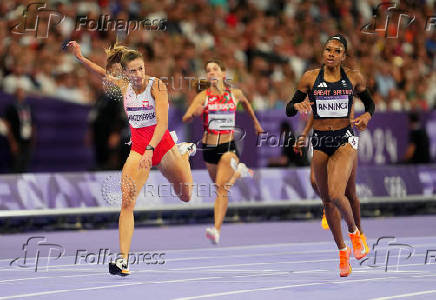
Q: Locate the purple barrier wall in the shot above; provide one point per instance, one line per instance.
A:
(102, 189)
(384, 142)
(62, 128)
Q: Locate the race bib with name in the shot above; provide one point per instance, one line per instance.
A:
(354, 141)
(140, 117)
(332, 106)
(220, 120)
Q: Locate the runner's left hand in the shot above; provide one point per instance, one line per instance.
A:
(145, 161)
(361, 121)
(258, 128)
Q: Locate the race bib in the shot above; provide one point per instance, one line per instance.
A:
(221, 120)
(26, 131)
(140, 117)
(332, 106)
(354, 141)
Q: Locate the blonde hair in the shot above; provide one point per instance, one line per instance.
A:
(114, 54)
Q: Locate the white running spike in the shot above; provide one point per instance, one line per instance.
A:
(213, 235)
(245, 171)
(191, 148)
(241, 168)
(233, 164)
(174, 136)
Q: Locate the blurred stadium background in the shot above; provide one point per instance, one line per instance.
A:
(63, 138)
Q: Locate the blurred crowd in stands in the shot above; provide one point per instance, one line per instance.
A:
(266, 46)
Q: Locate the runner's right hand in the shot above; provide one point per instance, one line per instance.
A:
(304, 107)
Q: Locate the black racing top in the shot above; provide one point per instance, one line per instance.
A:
(331, 99)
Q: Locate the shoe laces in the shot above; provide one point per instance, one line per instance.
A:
(343, 258)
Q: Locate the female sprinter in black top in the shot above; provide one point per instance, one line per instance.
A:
(350, 191)
(330, 90)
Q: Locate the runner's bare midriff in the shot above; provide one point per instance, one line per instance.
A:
(330, 124)
(215, 139)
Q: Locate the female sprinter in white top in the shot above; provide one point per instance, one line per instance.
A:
(146, 104)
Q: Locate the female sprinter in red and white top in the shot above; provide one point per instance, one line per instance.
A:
(218, 105)
(146, 104)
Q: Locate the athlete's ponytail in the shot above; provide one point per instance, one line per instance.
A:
(114, 54)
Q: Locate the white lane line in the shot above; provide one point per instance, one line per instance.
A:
(261, 275)
(49, 277)
(34, 294)
(64, 291)
(310, 271)
(406, 295)
(255, 264)
(300, 285)
(232, 248)
(183, 280)
(292, 262)
(104, 287)
(219, 268)
(220, 248)
(279, 288)
(227, 256)
(199, 279)
(195, 258)
(200, 258)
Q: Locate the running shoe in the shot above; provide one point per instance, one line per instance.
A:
(191, 148)
(360, 249)
(324, 223)
(213, 235)
(119, 267)
(363, 237)
(174, 136)
(344, 262)
(241, 168)
(233, 164)
(244, 170)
